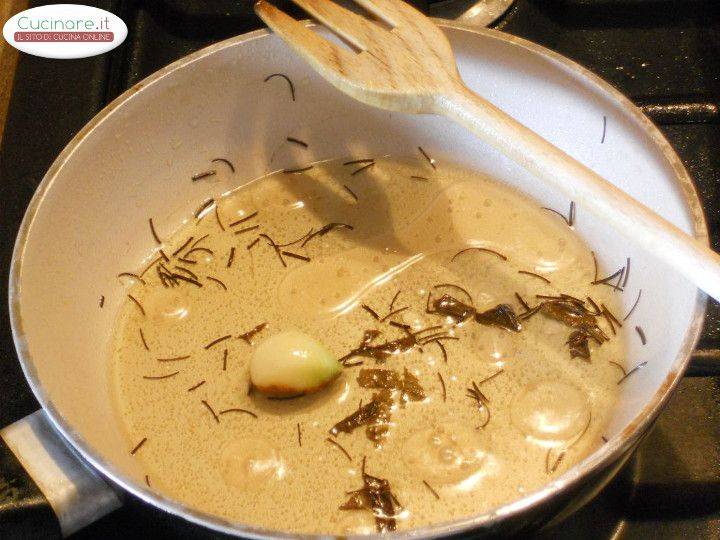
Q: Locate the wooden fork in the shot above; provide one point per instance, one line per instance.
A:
(410, 67)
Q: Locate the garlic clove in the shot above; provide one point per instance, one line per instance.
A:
(292, 363)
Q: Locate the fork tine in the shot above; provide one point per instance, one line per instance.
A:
(390, 11)
(348, 25)
(329, 59)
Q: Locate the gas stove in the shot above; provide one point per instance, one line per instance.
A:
(663, 54)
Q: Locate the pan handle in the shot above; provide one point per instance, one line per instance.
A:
(46, 490)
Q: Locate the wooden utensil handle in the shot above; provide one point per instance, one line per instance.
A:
(588, 189)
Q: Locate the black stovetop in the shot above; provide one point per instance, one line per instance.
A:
(663, 54)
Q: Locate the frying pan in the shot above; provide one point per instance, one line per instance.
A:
(88, 219)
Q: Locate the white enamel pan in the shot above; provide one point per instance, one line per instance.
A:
(89, 218)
